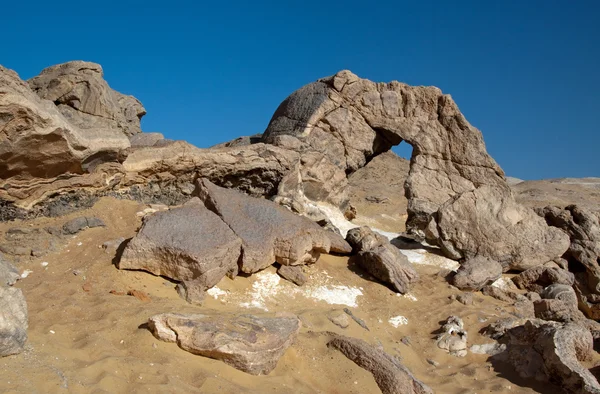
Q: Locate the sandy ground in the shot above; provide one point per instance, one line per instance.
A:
(83, 339)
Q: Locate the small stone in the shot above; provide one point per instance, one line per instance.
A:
(294, 274)
(140, 295)
(465, 298)
(433, 362)
(339, 318)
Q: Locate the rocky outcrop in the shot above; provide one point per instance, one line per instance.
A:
(82, 95)
(458, 196)
(377, 256)
(189, 243)
(391, 376)
(252, 344)
(140, 140)
(38, 141)
(551, 351)
(13, 320)
(269, 233)
(476, 273)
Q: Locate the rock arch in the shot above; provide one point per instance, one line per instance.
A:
(458, 195)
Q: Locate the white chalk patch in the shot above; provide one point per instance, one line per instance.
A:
(79, 243)
(52, 332)
(504, 283)
(408, 296)
(44, 264)
(215, 292)
(397, 321)
(264, 286)
(26, 273)
(422, 256)
(335, 294)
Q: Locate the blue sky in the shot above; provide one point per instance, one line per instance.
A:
(526, 73)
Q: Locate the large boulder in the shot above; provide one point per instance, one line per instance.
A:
(550, 351)
(269, 233)
(376, 255)
(82, 95)
(252, 344)
(189, 243)
(13, 321)
(458, 196)
(391, 376)
(38, 141)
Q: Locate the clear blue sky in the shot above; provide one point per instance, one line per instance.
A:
(526, 73)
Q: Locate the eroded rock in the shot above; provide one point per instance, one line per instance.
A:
(453, 337)
(391, 376)
(252, 344)
(13, 321)
(381, 259)
(476, 273)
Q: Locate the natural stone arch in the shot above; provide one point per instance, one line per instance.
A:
(458, 195)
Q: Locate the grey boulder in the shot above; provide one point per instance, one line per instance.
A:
(252, 344)
(13, 321)
(9, 275)
(476, 273)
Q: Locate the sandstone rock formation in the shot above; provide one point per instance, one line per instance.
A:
(269, 232)
(189, 243)
(252, 344)
(391, 376)
(381, 259)
(82, 95)
(37, 141)
(476, 273)
(553, 352)
(458, 196)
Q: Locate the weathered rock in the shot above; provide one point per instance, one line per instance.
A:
(391, 376)
(39, 142)
(559, 303)
(186, 243)
(269, 233)
(476, 273)
(381, 259)
(74, 226)
(252, 344)
(339, 318)
(293, 273)
(82, 95)
(537, 278)
(453, 337)
(550, 351)
(458, 196)
(9, 275)
(140, 140)
(13, 321)
(240, 141)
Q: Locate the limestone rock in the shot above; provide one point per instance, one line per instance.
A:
(293, 273)
(391, 376)
(476, 273)
(551, 351)
(453, 337)
(381, 259)
(186, 243)
(537, 278)
(83, 97)
(252, 344)
(269, 233)
(13, 321)
(38, 141)
(458, 197)
(9, 275)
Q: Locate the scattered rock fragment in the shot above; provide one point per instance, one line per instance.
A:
(293, 273)
(477, 272)
(140, 295)
(74, 226)
(381, 259)
(339, 318)
(391, 376)
(453, 337)
(252, 344)
(358, 320)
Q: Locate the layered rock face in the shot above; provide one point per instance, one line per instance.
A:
(458, 196)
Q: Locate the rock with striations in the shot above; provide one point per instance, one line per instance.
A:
(458, 196)
(552, 352)
(390, 375)
(269, 232)
(82, 95)
(252, 344)
(381, 259)
(476, 273)
(13, 320)
(189, 243)
(38, 141)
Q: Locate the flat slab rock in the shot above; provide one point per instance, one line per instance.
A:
(391, 376)
(269, 232)
(189, 243)
(252, 344)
